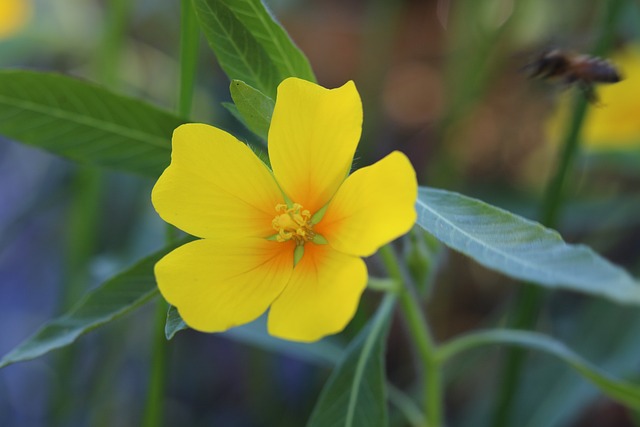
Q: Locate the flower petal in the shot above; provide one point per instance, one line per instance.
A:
(375, 205)
(216, 186)
(321, 297)
(217, 285)
(313, 136)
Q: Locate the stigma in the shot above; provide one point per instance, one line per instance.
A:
(293, 223)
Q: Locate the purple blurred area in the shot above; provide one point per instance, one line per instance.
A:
(30, 271)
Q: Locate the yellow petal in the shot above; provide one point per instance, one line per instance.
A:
(321, 297)
(313, 136)
(374, 206)
(216, 285)
(14, 15)
(216, 186)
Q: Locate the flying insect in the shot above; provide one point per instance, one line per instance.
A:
(574, 69)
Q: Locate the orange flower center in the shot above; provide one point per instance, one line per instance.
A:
(293, 223)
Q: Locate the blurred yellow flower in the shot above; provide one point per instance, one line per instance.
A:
(14, 14)
(289, 239)
(614, 122)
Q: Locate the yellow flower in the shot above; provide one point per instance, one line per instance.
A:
(289, 239)
(14, 14)
(614, 123)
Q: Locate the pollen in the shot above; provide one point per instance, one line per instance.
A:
(293, 223)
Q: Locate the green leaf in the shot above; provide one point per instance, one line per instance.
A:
(324, 352)
(174, 323)
(250, 45)
(84, 122)
(520, 248)
(622, 391)
(255, 107)
(111, 300)
(355, 394)
(602, 332)
(233, 110)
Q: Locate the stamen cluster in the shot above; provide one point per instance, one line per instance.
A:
(293, 223)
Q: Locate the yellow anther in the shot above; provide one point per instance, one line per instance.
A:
(293, 223)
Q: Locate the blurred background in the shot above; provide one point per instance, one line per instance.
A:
(441, 80)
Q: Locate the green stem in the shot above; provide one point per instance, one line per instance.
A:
(153, 413)
(552, 201)
(531, 298)
(189, 40)
(84, 214)
(423, 339)
(116, 23)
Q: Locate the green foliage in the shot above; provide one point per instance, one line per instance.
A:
(250, 45)
(605, 334)
(355, 394)
(91, 125)
(84, 122)
(520, 248)
(174, 323)
(111, 300)
(254, 107)
(622, 391)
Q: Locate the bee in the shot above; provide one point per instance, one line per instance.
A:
(572, 68)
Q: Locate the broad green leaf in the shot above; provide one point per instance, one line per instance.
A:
(355, 394)
(255, 107)
(622, 391)
(114, 298)
(324, 352)
(84, 122)
(520, 248)
(250, 45)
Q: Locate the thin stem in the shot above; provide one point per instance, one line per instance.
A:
(153, 413)
(189, 39)
(84, 213)
(422, 337)
(529, 302)
(116, 23)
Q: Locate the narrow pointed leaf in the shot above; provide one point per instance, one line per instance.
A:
(605, 334)
(520, 248)
(174, 323)
(255, 107)
(85, 122)
(111, 300)
(355, 394)
(622, 391)
(250, 45)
